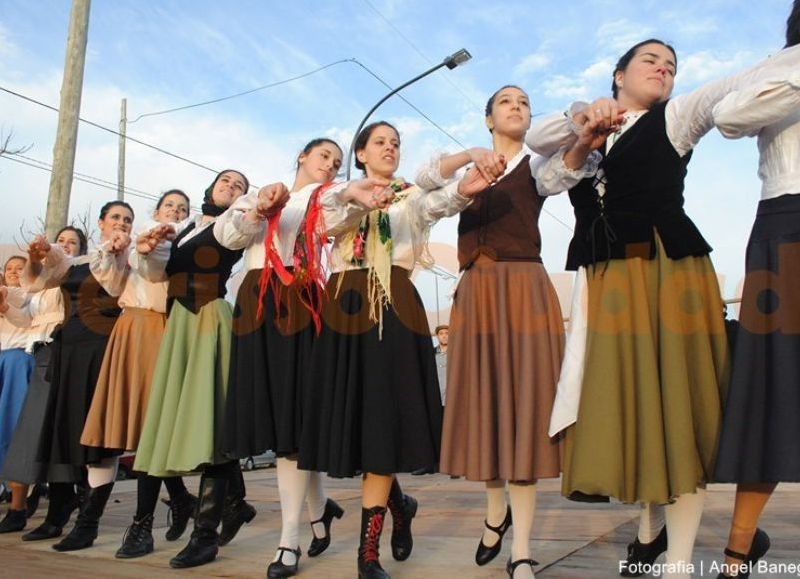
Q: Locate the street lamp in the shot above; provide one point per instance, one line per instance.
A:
(450, 62)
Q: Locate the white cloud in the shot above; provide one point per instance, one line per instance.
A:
(588, 83)
(617, 36)
(703, 66)
(532, 63)
(7, 48)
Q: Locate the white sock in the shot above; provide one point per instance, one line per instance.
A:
(683, 521)
(523, 508)
(292, 488)
(316, 502)
(103, 473)
(496, 508)
(651, 521)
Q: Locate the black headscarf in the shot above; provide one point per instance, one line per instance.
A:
(208, 207)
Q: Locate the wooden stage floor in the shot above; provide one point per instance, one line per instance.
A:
(569, 539)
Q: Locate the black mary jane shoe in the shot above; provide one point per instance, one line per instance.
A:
(512, 566)
(485, 554)
(279, 569)
(758, 548)
(318, 545)
(641, 555)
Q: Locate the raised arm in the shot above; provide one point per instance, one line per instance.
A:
(47, 265)
(745, 112)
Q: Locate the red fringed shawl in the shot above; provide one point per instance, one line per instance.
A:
(308, 274)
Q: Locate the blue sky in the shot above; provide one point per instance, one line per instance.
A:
(165, 54)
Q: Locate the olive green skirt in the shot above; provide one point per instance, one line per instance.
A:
(183, 426)
(656, 372)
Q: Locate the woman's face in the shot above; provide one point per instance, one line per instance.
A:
(649, 77)
(174, 208)
(511, 113)
(70, 242)
(13, 271)
(321, 163)
(118, 218)
(381, 154)
(229, 187)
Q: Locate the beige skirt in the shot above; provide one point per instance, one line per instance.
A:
(656, 368)
(504, 359)
(120, 399)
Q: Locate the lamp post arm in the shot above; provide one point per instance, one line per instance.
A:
(379, 103)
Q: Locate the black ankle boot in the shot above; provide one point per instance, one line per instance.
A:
(204, 543)
(181, 509)
(641, 555)
(369, 563)
(63, 501)
(32, 502)
(332, 509)
(403, 508)
(84, 532)
(237, 510)
(138, 539)
(13, 522)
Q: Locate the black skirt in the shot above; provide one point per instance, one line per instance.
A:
(373, 402)
(760, 439)
(78, 349)
(269, 355)
(21, 464)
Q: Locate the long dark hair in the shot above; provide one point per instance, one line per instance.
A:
(83, 245)
(625, 59)
(365, 134)
(793, 25)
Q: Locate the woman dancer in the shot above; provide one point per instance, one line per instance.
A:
(760, 441)
(373, 403)
(41, 313)
(184, 422)
(16, 365)
(78, 353)
(635, 438)
(273, 331)
(116, 415)
(507, 334)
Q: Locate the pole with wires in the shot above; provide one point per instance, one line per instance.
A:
(123, 120)
(67, 132)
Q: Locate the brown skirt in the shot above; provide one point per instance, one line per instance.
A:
(656, 369)
(116, 415)
(506, 345)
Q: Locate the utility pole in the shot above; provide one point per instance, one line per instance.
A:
(123, 123)
(69, 110)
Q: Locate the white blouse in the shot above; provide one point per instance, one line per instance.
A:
(408, 217)
(553, 175)
(37, 314)
(11, 335)
(771, 110)
(236, 232)
(54, 269)
(120, 277)
(688, 116)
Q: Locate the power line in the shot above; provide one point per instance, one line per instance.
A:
(82, 177)
(418, 51)
(243, 93)
(112, 131)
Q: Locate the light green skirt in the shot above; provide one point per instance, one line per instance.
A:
(656, 371)
(183, 427)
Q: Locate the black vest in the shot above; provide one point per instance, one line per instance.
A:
(503, 221)
(644, 193)
(199, 269)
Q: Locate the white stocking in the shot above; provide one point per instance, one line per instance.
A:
(495, 509)
(523, 508)
(651, 521)
(292, 488)
(316, 502)
(683, 521)
(103, 473)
